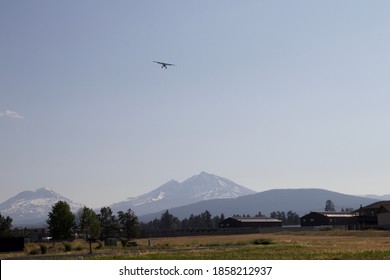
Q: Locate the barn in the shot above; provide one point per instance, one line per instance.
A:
(256, 222)
(384, 217)
(344, 220)
(375, 215)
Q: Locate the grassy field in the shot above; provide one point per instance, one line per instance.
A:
(319, 245)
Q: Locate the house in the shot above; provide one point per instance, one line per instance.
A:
(256, 222)
(375, 215)
(332, 219)
(384, 217)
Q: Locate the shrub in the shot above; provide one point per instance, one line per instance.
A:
(43, 248)
(124, 242)
(100, 244)
(132, 244)
(79, 247)
(35, 251)
(262, 241)
(68, 246)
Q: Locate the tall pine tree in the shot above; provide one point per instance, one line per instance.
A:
(61, 221)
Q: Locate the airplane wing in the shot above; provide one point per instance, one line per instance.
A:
(164, 63)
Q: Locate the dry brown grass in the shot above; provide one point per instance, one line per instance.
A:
(303, 245)
(348, 239)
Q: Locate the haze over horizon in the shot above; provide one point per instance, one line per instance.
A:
(268, 94)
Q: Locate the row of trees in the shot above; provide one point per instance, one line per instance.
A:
(329, 207)
(63, 224)
(291, 218)
(168, 221)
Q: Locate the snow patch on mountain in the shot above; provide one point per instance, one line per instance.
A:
(160, 196)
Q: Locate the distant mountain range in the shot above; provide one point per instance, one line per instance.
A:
(378, 197)
(193, 196)
(301, 201)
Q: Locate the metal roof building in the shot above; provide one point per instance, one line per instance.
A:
(256, 222)
(345, 220)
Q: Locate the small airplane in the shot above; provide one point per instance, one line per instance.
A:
(164, 64)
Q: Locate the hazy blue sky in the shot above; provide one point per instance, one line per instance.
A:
(270, 94)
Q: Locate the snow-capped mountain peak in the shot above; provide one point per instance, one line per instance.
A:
(32, 207)
(203, 186)
(213, 187)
